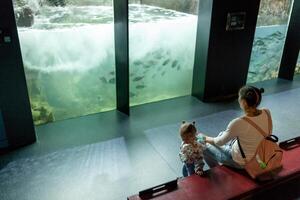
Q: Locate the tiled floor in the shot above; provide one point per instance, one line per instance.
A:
(109, 155)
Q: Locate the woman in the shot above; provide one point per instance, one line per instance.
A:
(225, 148)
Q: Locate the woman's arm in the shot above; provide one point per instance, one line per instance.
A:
(230, 133)
(209, 140)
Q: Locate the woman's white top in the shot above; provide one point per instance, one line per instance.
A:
(249, 136)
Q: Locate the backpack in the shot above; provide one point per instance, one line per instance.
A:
(266, 162)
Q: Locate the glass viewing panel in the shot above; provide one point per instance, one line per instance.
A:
(269, 39)
(68, 55)
(162, 37)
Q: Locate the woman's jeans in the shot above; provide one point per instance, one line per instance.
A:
(214, 155)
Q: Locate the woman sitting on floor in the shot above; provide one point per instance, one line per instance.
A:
(225, 148)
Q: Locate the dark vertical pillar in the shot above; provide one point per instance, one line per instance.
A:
(223, 53)
(292, 45)
(14, 100)
(122, 55)
(202, 46)
(3, 137)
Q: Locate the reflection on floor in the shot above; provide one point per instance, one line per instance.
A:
(110, 156)
(69, 173)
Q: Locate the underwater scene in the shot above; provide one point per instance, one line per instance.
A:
(69, 57)
(161, 53)
(266, 53)
(269, 38)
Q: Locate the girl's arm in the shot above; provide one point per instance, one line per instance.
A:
(186, 153)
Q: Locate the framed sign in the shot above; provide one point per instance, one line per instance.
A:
(236, 21)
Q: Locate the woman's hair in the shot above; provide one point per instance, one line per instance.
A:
(251, 94)
(187, 129)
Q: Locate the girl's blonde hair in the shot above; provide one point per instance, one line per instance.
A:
(187, 129)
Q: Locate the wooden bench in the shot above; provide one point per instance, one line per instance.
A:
(224, 183)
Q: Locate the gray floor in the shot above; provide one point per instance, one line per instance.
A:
(110, 156)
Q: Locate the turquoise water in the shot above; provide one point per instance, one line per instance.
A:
(266, 53)
(68, 55)
(161, 53)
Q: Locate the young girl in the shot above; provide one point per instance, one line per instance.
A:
(191, 152)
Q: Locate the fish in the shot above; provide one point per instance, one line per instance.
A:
(175, 62)
(103, 79)
(178, 68)
(151, 63)
(138, 78)
(112, 80)
(112, 73)
(259, 43)
(149, 53)
(140, 86)
(277, 33)
(131, 94)
(263, 48)
(158, 56)
(166, 62)
(137, 62)
(251, 72)
(163, 73)
(146, 66)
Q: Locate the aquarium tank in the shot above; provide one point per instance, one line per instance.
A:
(68, 53)
(269, 39)
(162, 40)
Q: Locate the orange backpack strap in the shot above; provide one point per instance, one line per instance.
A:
(264, 134)
(270, 124)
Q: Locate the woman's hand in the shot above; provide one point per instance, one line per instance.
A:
(205, 138)
(209, 140)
